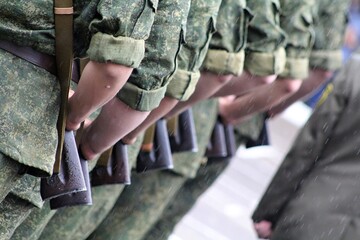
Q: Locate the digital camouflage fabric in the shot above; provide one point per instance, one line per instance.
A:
(330, 18)
(265, 53)
(147, 84)
(226, 53)
(200, 26)
(296, 19)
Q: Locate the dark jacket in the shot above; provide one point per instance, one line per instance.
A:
(315, 194)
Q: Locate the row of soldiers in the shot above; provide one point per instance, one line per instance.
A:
(149, 60)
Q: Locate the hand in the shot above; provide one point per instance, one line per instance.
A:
(263, 229)
(223, 103)
(226, 114)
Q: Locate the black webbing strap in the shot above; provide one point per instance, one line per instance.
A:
(63, 14)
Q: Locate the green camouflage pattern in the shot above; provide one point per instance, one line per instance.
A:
(13, 212)
(77, 222)
(8, 175)
(33, 225)
(147, 84)
(264, 31)
(200, 26)
(231, 26)
(139, 206)
(32, 23)
(29, 98)
(330, 19)
(296, 20)
(186, 198)
(227, 47)
(264, 53)
(28, 189)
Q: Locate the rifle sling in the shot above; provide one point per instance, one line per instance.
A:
(39, 59)
(63, 16)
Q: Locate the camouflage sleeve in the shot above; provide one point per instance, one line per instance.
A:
(226, 51)
(119, 31)
(199, 28)
(297, 21)
(330, 19)
(147, 85)
(265, 53)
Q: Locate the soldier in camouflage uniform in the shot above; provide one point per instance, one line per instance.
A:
(105, 196)
(141, 200)
(199, 172)
(296, 21)
(192, 189)
(30, 95)
(207, 174)
(326, 57)
(142, 203)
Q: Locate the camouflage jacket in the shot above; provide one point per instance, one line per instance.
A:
(103, 29)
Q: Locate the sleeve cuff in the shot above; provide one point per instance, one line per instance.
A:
(265, 63)
(327, 60)
(223, 62)
(121, 50)
(141, 99)
(182, 84)
(296, 68)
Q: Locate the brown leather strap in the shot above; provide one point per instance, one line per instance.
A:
(39, 59)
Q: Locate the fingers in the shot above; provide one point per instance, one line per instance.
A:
(71, 92)
(263, 229)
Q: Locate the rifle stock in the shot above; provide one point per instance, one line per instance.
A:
(114, 168)
(217, 145)
(159, 157)
(75, 198)
(70, 177)
(222, 142)
(182, 135)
